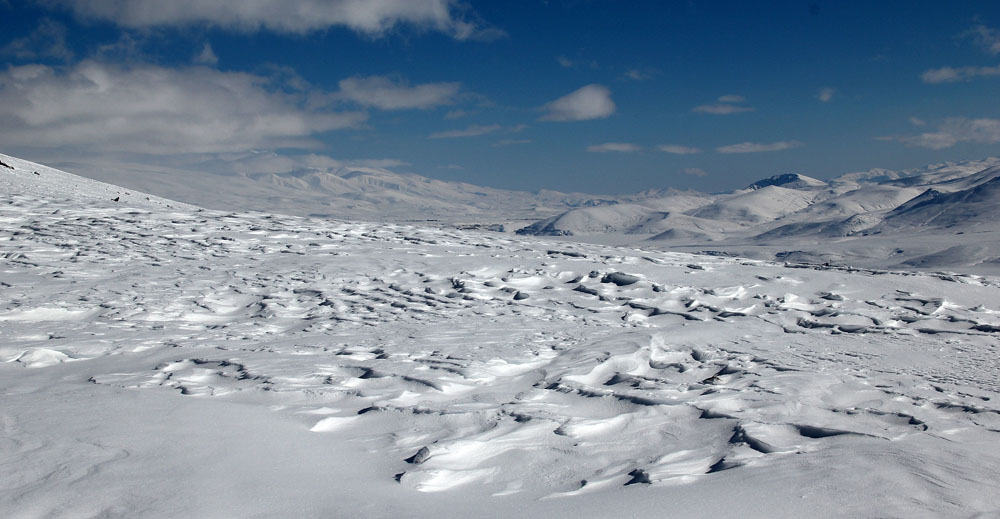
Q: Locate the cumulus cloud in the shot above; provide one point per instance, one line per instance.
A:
(48, 40)
(694, 172)
(588, 102)
(953, 131)
(727, 104)
(677, 149)
(155, 110)
(386, 94)
(826, 94)
(471, 131)
(621, 147)
(756, 147)
(371, 17)
(954, 75)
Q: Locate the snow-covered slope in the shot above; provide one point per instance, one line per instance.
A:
(357, 192)
(966, 209)
(35, 180)
(757, 206)
(166, 362)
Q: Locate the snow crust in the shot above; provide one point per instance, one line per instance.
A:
(160, 361)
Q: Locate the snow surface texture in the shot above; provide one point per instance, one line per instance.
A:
(158, 360)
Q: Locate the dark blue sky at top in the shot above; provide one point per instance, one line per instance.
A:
(659, 60)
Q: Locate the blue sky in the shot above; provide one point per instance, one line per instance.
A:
(580, 95)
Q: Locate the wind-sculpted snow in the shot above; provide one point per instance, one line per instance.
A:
(481, 365)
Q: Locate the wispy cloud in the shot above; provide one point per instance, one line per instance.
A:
(48, 40)
(206, 56)
(756, 147)
(694, 172)
(471, 131)
(953, 75)
(156, 110)
(726, 105)
(621, 147)
(826, 94)
(510, 142)
(588, 102)
(386, 94)
(564, 62)
(370, 17)
(457, 114)
(986, 37)
(677, 149)
(916, 121)
(953, 131)
(637, 75)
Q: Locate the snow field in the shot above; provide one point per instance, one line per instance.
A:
(277, 363)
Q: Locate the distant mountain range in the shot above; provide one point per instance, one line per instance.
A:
(941, 216)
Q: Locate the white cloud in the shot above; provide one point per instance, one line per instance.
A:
(727, 105)
(953, 75)
(148, 109)
(385, 94)
(564, 62)
(371, 17)
(826, 94)
(589, 102)
(677, 149)
(985, 37)
(915, 121)
(695, 172)
(471, 131)
(48, 40)
(207, 56)
(953, 131)
(756, 147)
(622, 147)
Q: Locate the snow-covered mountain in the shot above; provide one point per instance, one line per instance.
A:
(160, 360)
(878, 218)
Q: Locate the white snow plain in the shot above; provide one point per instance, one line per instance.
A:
(159, 360)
